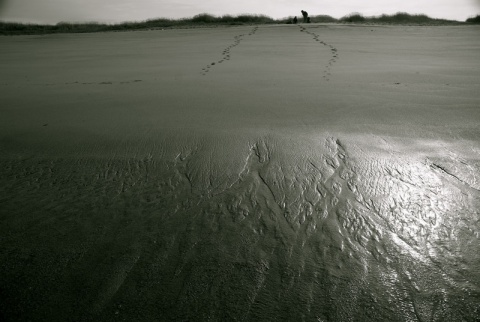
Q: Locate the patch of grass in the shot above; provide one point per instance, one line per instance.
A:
(475, 20)
(405, 18)
(228, 19)
(401, 18)
(398, 18)
(353, 17)
(323, 19)
(257, 19)
(204, 18)
(13, 28)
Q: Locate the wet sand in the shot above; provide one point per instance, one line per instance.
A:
(291, 172)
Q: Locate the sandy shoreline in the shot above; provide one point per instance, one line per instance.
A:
(320, 172)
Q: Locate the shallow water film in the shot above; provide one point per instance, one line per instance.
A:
(177, 188)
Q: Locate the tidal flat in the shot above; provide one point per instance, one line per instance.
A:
(252, 173)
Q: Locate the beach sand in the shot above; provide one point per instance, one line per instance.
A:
(274, 172)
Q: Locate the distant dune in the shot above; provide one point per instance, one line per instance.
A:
(208, 20)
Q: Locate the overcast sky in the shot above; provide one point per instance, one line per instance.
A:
(53, 11)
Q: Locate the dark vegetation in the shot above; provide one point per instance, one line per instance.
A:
(208, 20)
(475, 20)
(399, 18)
(204, 19)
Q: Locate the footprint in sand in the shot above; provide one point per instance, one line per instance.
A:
(226, 52)
(333, 52)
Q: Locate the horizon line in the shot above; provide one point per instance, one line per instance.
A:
(231, 15)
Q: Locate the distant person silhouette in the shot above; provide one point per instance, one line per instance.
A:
(305, 16)
(295, 20)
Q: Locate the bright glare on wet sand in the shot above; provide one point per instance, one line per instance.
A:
(280, 173)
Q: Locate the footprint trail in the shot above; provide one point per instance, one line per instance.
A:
(226, 53)
(327, 71)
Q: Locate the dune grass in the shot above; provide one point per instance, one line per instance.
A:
(474, 20)
(399, 18)
(14, 28)
(205, 19)
(9, 28)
